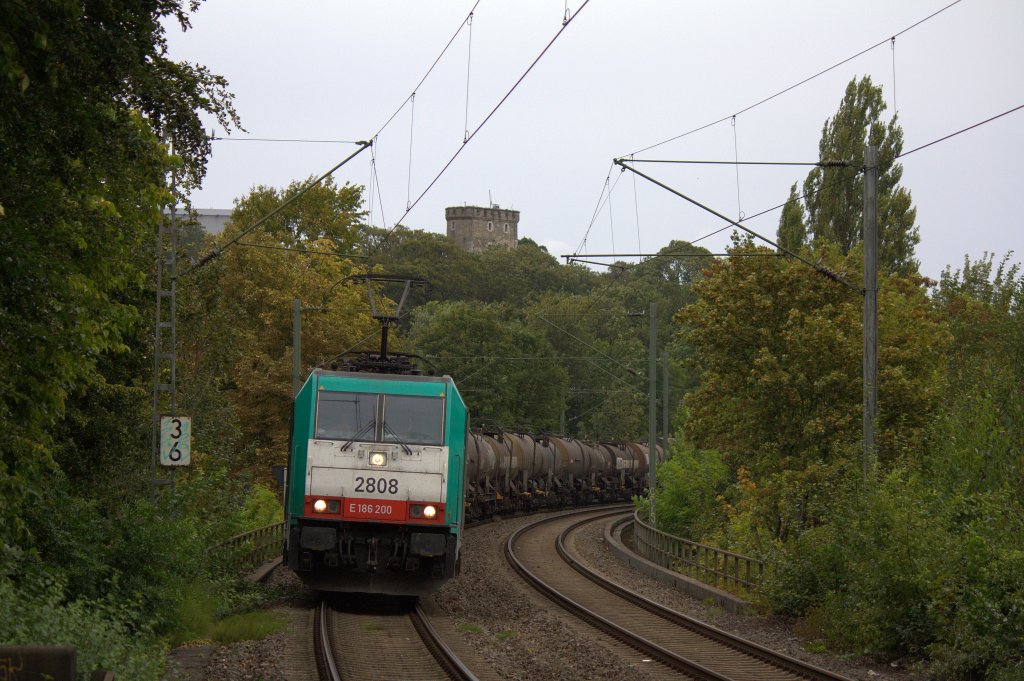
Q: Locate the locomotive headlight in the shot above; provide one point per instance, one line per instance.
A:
(429, 511)
(319, 505)
(378, 459)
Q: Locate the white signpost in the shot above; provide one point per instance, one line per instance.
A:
(175, 440)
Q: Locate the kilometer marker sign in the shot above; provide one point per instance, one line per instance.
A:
(175, 440)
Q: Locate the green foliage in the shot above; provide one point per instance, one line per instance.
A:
(43, 611)
(84, 92)
(792, 234)
(224, 611)
(249, 626)
(929, 560)
(690, 484)
(593, 322)
(780, 350)
(835, 195)
(594, 342)
(236, 315)
(325, 212)
(483, 348)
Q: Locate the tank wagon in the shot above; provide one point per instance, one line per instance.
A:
(508, 472)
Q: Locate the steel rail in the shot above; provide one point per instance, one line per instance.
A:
(444, 655)
(724, 638)
(649, 648)
(326, 665)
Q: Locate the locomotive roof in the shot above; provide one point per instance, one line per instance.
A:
(402, 378)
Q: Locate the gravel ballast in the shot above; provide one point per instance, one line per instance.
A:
(522, 636)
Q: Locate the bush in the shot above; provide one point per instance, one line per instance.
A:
(689, 485)
(41, 612)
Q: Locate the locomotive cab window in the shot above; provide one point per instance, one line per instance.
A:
(345, 416)
(413, 420)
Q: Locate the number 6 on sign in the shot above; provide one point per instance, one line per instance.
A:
(175, 440)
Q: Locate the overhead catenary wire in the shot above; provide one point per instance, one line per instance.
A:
(300, 250)
(597, 209)
(214, 138)
(892, 46)
(429, 70)
(802, 82)
(820, 164)
(605, 196)
(573, 258)
(818, 268)
(412, 124)
(636, 213)
(220, 249)
(482, 123)
(605, 188)
(469, 61)
(376, 181)
(611, 218)
(736, 150)
(640, 254)
(768, 210)
(586, 344)
(958, 132)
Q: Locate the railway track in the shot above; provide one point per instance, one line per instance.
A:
(688, 647)
(353, 644)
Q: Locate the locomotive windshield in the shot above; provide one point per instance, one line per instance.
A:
(408, 419)
(344, 416)
(414, 420)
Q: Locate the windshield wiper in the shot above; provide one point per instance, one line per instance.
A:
(369, 426)
(405, 447)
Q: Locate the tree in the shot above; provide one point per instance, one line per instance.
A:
(780, 349)
(236, 315)
(453, 272)
(324, 212)
(595, 340)
(835, 195)
(792, 234)
(85, 91)
(508, 373)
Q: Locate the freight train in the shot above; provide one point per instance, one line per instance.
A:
(383, 472)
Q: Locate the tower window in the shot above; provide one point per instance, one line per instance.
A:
(490, 226)
(506, 228)
(451, 225)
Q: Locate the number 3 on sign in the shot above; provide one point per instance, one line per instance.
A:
(175, 440)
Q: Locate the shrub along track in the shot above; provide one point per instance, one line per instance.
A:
(678, 642)
(380, 639)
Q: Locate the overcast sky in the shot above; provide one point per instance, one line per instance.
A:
(623, 76)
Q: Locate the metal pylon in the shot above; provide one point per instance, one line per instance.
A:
(165, 337)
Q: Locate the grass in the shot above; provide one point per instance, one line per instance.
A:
(247, 627)
(471, 628)
(816, 647)
(197, 621)
(505, 635)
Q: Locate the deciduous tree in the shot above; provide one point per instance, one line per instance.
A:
(85, 90)
(835, 195)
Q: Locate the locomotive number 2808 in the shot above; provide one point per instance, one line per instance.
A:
(376, 485)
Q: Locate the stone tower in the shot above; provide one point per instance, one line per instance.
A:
(475, 228)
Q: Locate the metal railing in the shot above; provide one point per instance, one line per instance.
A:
(720, 568)
(251, 549)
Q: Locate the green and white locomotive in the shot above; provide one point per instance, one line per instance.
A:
(374, 501)
(375, 493)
